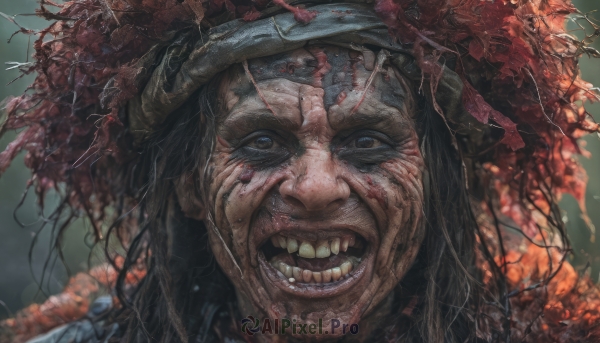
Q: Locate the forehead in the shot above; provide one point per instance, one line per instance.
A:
(336, 70)
(341, 73)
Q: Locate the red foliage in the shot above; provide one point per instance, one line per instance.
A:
(565, 309)
(511, 47)
(482, 111)
(69, 131)
(72, 304)
(505, 52)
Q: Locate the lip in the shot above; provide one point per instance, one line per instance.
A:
(323, 290)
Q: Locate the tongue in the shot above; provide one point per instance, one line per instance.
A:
(314, 264)
(319, 264)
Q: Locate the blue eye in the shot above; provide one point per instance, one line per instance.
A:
(263, 143)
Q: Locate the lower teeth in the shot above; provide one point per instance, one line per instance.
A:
(309, 276)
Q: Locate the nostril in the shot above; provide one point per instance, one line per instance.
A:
(293, 201)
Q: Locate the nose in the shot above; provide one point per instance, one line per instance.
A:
(315, 184)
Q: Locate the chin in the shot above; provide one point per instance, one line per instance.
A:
(312, 272)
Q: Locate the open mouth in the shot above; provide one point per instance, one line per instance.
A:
(323, 262)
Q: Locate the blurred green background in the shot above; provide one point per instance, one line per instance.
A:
(19, 279)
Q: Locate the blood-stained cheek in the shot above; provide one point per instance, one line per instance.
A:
(394, 189)
(237, 192)
(406, 173)
(247, 174)
(376, 191)
(252, 188)
(229, 191)
(395, 192)
(406, 199)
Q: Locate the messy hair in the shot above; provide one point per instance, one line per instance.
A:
(178, 298)
(176, 295)
(74, 127)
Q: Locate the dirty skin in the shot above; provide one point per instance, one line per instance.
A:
(320, 195)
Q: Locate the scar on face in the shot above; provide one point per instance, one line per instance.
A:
(260, 93)
(323, 67)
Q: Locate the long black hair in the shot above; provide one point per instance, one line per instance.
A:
(184, 287)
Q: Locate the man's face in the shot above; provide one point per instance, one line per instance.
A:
(316, 186)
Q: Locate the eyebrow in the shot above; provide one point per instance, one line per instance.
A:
(243, 123)
(377, 119)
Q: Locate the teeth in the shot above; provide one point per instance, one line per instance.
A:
(307, 275)
(345, 243)
(346, 267)
(322, 249)
(275, 241)
(336, 273)
(335, 246)
(282, 242)
(306, 250)
(297, 273)
(326, 275)
(292, 245)
(317, 276)
(286, 270)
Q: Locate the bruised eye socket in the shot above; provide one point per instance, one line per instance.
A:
(366, 148)
(263, 149)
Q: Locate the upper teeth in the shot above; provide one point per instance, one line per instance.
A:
(307, 250)
(323, 249)
(319, 249)
(292, 245)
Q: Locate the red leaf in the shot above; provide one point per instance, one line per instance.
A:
(482, 111)
(512, 138)
(475, 104)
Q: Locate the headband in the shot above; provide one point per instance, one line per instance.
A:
(186, 66)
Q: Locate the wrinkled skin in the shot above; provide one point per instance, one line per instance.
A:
(314, 153)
